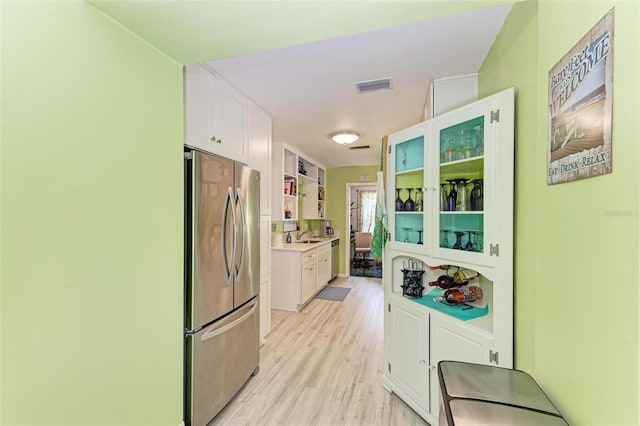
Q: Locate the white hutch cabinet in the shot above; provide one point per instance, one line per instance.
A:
(449, 202)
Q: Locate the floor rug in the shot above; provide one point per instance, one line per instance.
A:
(333, 293)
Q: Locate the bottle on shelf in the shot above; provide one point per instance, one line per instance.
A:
(455, 296)
(444, 282)
(463, 276)
(443, 267)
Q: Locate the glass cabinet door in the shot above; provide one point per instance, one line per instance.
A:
(465, 144)
(408, 200)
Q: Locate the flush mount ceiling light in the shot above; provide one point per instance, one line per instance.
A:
(345, 138)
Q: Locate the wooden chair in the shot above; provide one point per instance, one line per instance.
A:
(362, 249)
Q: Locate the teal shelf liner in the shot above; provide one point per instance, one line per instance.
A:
(461, 311)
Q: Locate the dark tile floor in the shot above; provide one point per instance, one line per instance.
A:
(373, 269)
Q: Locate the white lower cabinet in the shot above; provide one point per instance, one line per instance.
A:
(406, 371)
(416, 339)
(265, 276)
(451, 342)
(324, 265)
(294, 278)
(309, 275)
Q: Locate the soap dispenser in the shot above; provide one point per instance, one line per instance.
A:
(288, 237)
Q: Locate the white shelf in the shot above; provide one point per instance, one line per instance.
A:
(287, 165)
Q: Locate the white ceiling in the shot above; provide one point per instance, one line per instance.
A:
(309, 90)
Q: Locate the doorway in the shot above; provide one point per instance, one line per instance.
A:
(361, 214)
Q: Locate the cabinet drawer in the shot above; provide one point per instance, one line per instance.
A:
(309, 257)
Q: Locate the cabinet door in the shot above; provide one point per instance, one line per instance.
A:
(322, 195)
(227, 123)
(474, 146)
(309, 275)
(309, 281)
(407, 202)
(197, 82)
(309, 198)
(265, 308)
(215, 115)
(259, 127)
(408, 342)
(265, 276)
(324, 265)
(453, 343)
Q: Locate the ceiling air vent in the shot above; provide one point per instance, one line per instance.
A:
(373, 85)
(360, 147)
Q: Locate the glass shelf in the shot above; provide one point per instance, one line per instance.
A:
(462, 141)
(410, 155)
(461, 219)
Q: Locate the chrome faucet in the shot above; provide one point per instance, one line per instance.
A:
(300, 234)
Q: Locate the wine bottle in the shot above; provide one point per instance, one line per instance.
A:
(455, 296)
(464, 275)
(444, 282)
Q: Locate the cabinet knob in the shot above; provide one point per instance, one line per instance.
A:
(422, 362)
(213, 139)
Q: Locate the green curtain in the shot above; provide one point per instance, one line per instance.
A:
(379, 237)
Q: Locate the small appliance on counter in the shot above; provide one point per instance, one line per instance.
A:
(325, 228)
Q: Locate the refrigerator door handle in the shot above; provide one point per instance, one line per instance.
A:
(225, 261)
(243, 237)
(218, 331)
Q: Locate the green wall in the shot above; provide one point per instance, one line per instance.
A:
(576, 288)
(510, 63)
(337, 179)
(336, 208)
(91, 248)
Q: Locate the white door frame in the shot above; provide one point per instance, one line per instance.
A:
(347, 233)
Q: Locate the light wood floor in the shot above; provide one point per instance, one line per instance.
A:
(323, 366)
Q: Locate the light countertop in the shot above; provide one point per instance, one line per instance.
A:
(299, 246)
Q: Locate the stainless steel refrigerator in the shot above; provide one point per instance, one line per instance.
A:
(222, 267)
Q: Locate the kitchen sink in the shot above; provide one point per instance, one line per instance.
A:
(308, 241)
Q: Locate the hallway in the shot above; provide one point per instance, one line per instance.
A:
(323, 366)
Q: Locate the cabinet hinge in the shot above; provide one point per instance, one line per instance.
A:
(493, 356)
(389, 307)
(389, 149)
(494, 250)
(389, 367)
(495, 116)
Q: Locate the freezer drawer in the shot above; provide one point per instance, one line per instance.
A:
(220, 359)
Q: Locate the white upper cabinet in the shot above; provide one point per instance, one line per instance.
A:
(215, 115)
(451, 184)
(473, 149)
(446, 94)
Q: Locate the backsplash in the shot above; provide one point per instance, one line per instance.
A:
(304, 224)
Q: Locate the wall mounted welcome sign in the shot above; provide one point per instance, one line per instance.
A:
(580, 101)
